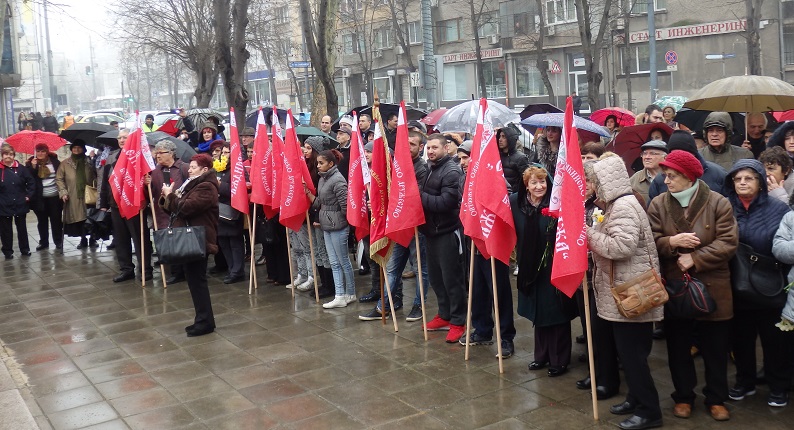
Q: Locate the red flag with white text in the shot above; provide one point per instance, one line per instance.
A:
(237, 180)
(379, 243)
(358, 177)
(132, 165)
(276, 163)
(294, 201)
(260, 177)
(570, 248)
(485, 210)
(405, 204)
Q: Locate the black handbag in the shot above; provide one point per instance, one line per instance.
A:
(757, 280)
(180, 245)
(228, 213)
(689, 298)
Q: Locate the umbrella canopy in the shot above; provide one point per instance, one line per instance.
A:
(432, 118)
(536, 108)
(694, 120)
(183, 149)
(676, 102)
(556, 119)
(385, 109)
(251, 117)
(170, 126)
(85, 131)
(304, 131)
(784, 116)
(25, 141)
(627, 143)
(625, 118)
(463, 117)
(748, 93)
(197, 116)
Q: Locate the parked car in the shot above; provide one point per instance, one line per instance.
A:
(100, 118)
(160, 117)
(114, 111)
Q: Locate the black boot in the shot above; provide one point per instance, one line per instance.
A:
(327, 277)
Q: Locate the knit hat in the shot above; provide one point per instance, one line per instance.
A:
(318, 143)
(248, 131)
(149, 116)
(347, 119)
(654, 144)
(341, 130)
(685, 163)
(465, 147)
(42, 147)
(417, 124)
(77, 142)
(682, 140)
(369, 146)
(209, 125)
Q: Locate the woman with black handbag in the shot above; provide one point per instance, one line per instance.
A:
(230, 223)
(695, 233)
(195, 203)
(756, 311)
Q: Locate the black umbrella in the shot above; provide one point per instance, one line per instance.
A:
(85, 131)
(694, 120)
(183, 149)
(252, 117)
(534, 108)
(386, 109)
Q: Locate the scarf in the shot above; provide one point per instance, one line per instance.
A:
(204, 147)
(685, 196)
(79, 166)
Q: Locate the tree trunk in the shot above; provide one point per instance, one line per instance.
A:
(592, 48)
(475, 23)
(318, 105)
(627, 61)
(231, 54)
(206, 82)
(541, 57)
(319, 32)
(753, 38)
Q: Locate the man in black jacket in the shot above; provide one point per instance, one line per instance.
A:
(440, 194)
(513, 162)
(50, 123)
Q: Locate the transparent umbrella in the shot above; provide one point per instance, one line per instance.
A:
(463, 117)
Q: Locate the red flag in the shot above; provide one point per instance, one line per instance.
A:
(260, 179)
(358, 177)
(405, 204)
(237, 181)
(379, 244)
(276, 164)
(485, 211)
(126, 180)
(294, 201)
(570, 248)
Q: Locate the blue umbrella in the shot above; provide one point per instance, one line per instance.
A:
(556, 119)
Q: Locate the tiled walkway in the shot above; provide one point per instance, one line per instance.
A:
(83, 352)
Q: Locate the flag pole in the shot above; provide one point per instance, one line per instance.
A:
(421, 282)
(382, 296)
(591, 361)
(468, 309)
(252, 234)
(314, 264)
(391, 301)
(496, 315)
(154, 223)
(142, 251)
(289, 258)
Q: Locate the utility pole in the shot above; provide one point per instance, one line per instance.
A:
(53, 90)
(93, 69)
(430, 59)
(652, 48)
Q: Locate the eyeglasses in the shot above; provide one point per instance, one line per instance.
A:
(652, 153)
(740, 179)
(162, 152)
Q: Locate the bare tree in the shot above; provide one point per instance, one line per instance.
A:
(591, 46)
(479, 15)
(181, 29)
(541, 62)
(399, 19)
(363, 40)
(753, 37)
(319, 30)
(231, 54)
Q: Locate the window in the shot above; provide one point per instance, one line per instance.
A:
(414, 32)
(523, 24)
(494, 74)
(351, 43)
(381, 80)
(348, 6)
(489, 24)
(641, 59)
(528, 80)
(285, 48)
(641, 6)
(560, 11)
(383, 38)
(455, 79)
(281, 14)
(448, 31)
(788, 44)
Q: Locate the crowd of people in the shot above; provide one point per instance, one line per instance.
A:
(36, 121)
(692, 209)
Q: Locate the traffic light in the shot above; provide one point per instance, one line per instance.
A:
(87, 70)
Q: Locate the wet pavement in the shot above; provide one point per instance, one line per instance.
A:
(83, 352)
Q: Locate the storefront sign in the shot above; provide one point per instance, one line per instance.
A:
(471, 56)
(696, 30)
(283, 86)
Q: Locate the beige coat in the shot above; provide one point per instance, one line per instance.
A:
(74, 209)
(622, 242)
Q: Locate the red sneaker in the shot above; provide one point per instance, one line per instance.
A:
(455, 333)
(437, 324)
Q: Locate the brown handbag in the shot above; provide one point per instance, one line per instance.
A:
(639, 294)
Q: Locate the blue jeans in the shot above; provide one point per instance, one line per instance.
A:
(336, 246)
(396, 266)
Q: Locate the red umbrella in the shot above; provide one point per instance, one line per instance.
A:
(169, 127)
(627, 143)
(625, 117)
(433, 117)
(784, 116)
(25, 141)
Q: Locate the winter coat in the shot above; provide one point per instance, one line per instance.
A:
(332, 200)
(545, 156)
(783, 249)
(16, 189)
(344, 164)
(178, 174)
(710, 217)
(623, 243)
(227, 228)
(784, 192)
(197, 206)
(727, 157)
(778, 138)
(421, 170)
(513, 162)
(713, 176)
(441, 195)
(641, 184)
(36, 201)
(50, 124)
(74, 209)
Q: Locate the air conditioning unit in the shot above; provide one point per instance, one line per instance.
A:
(493, 39)
(620, 24)
(550, 30)
(378, 53)
(346, 72)
(398, 49)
